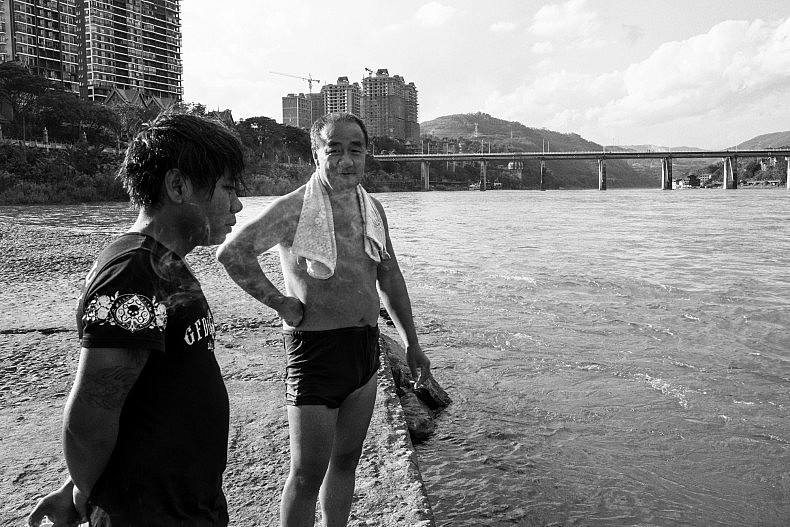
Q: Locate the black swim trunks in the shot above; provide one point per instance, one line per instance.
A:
(325, 367)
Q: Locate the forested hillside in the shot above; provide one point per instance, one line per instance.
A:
(512, 136)
(774, 140)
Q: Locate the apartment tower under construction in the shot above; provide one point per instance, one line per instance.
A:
(386, 104)
(389, 106)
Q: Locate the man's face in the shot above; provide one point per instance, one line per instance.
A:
(218, 212)
(341, 159)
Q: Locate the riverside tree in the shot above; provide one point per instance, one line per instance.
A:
(36, 103)
(20, 91)
(68, 119)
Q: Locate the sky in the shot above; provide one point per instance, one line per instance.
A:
(698, 73)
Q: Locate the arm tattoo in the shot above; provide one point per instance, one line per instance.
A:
(107, 388)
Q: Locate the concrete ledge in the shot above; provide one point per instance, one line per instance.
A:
(402, 456)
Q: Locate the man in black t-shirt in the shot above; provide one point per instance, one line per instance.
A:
(146, 423)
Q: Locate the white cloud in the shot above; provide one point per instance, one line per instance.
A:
(732, 65)
(542, 48)
(393, 28)
(570, 20)
(557, 99)
(736, 67)
(502, 27)
(434, 14)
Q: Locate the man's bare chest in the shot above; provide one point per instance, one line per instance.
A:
(349, 234)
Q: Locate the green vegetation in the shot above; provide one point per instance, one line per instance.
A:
(83, 166)
(75, 175)
(33, 103)
(278, 158)
(748, 171)
(772, 140)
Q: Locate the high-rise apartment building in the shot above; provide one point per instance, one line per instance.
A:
(302, 110)
(43, 35)
(412, 113)
(390, 107)
(317, 108)
(342, 96)
(297, 110)
(93, 46)
(130, 44)
(386, 104)
(5, 30)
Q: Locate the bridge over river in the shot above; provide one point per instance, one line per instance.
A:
(729, 157)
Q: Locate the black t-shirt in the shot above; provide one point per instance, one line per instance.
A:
(166, 468)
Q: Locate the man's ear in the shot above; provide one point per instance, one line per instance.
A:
(177, 186)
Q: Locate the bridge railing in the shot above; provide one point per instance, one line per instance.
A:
(729, 156)
(603, 154)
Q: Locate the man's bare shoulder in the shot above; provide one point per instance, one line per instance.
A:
(275, 224)
(292, 199)
(283, 208)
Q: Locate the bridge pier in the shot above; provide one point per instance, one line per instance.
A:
(601, 174)
(483, 182)
(729, 158)
(543, 173)
(730, 173)
(425, 174)
(666, 173)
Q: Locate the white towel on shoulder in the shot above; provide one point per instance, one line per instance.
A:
(315, 234)
(373, 227)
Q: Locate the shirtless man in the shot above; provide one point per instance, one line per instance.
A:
(330, 323)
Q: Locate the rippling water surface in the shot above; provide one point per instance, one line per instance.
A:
(615, 358)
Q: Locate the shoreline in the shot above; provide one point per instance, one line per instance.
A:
(42, 271)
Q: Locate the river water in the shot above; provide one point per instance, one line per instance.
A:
(617, 358)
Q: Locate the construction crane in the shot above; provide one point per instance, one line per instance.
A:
(310, 80)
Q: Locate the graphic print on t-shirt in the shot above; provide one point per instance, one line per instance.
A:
(200, 329)
(132, 312)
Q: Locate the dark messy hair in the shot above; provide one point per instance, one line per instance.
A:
(316, 141)
(201, 148)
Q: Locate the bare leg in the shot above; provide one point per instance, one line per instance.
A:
(337, 489)
(311, 431)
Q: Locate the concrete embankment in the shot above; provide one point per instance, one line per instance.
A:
(41, 270)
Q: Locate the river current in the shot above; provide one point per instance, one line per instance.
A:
(617, 358)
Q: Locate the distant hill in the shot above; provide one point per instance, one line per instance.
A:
(681, 167)
(654, 148)
(649, 168)
(774, 140)
(488, 127)
(516, 137)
